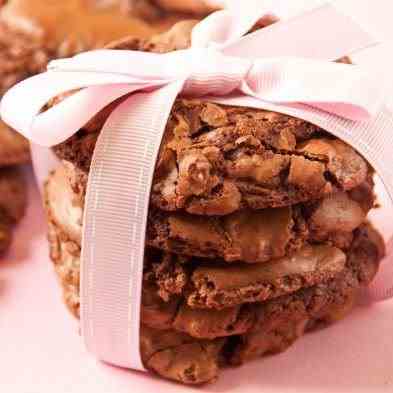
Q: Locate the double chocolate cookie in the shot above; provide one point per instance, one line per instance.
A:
(257, 232)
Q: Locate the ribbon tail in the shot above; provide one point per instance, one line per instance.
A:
(306, 35)
(291, 81)
(115, 220)
(84, 105)
(55, 125)
(225, 27)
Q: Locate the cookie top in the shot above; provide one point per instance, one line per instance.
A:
(14, 148)
(215, 159)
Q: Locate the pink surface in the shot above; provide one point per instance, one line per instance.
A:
(122, 167)
(42, 352)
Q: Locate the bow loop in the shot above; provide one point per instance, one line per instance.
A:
(222, 28)
(340, 89)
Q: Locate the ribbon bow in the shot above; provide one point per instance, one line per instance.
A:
(213, 66)
(224, 65)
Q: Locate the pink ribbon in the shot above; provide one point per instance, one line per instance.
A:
(222, 65)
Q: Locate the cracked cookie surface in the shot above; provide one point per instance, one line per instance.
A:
(215, 160)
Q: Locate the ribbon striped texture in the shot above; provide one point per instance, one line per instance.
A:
(224, 65)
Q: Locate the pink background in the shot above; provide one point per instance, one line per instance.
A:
(41, 351)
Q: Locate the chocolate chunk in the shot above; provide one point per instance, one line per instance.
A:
(335, 218)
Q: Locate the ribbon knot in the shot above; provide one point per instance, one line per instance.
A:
(208, 71)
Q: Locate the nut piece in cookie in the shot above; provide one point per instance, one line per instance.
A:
(14, 148)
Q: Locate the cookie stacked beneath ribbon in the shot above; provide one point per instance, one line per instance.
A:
(257, 224)
(257, 232)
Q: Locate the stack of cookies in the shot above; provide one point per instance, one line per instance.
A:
(257, 233)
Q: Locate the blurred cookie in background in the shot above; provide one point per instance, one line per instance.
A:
(168, 9)
(20, 56)
(5, 235)
(82, 24)
(14, 148)
(12, 203)
(32, 32)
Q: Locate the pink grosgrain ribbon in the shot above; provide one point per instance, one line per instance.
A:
(223, 66)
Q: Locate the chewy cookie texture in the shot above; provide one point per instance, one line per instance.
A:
(257, 233)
